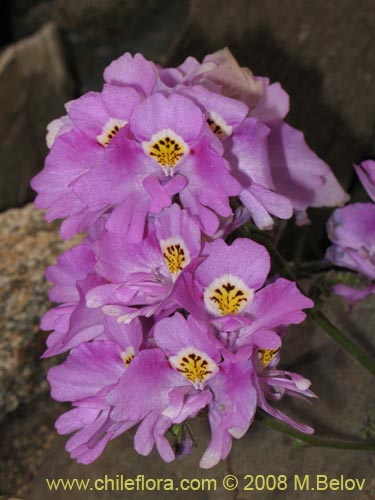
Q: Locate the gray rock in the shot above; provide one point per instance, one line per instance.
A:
(34, 85)
(27, 246)
(98, 31)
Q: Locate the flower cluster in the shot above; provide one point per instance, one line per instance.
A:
(351, 229)
(165, 320)
(206, 132)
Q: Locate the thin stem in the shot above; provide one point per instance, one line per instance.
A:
(264, 419)
(284, 264)
(325, 324)
(315, 264)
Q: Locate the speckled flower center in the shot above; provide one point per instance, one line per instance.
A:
(227, 295)
(167, 148)
(128, 355)
(110, 129)
(267, 355)
(218, 125)
(176, 254)
(194, 364)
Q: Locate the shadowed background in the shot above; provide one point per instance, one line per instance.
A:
(321, 51)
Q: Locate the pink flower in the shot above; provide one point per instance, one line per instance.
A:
(352, 231)
(143, 277)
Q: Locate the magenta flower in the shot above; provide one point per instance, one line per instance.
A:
(95, 119)
(176, 381)
(314, 185)
(227, 289)
(169, 154)
(297, 173)
(229, 277)
(366, 174)
(85, 379)
(245, 146)
(352, 231)
(72, 322)
(79, 140)
(147, 394)
(144, 276)
(135, 75)
(272, 384)
(209, 183)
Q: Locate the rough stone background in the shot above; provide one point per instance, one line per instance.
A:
(27, 246)
(323, 54)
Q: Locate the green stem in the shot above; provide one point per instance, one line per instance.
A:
(264, 419)
(325, 324)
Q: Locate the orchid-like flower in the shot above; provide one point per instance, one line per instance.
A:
(272, 384)
(297, 174)
(169, 152)
(85, 379)
(245, 147)
(229, 290)
(352, 231)
(72, 321)
(187, 373)
(79, 142)
(143, 277)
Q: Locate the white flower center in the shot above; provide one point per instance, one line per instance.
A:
(176, 254)
(227, 294)
(195, 365)
(167, 149)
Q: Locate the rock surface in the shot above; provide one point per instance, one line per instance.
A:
(98, 31)
(27, 245)
(34, 85)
